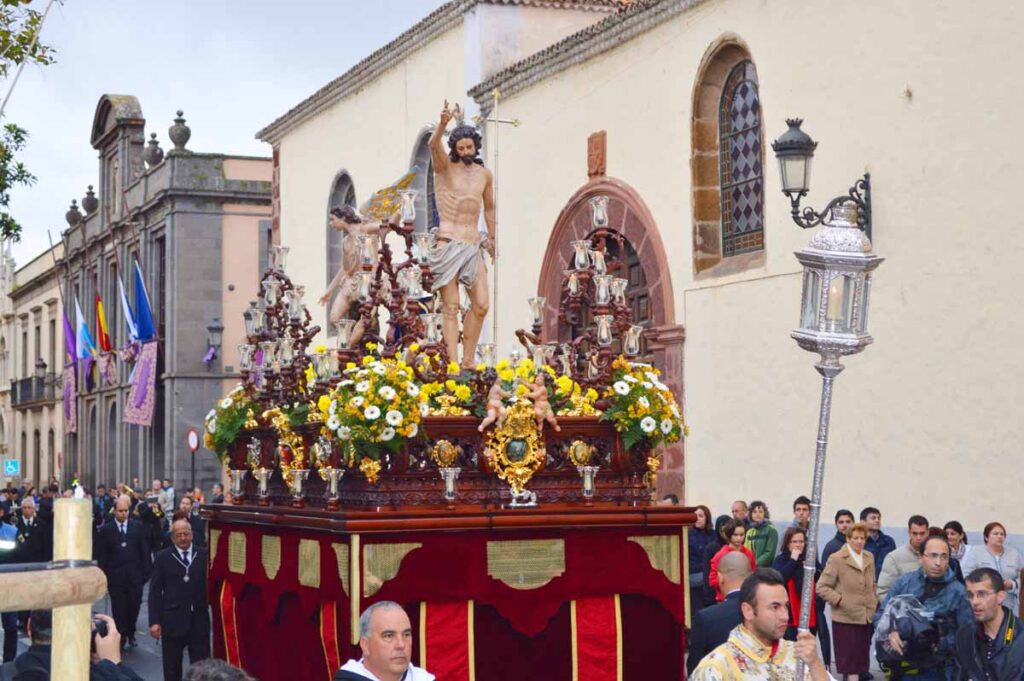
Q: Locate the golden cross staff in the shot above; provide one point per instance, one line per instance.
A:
(496, 95)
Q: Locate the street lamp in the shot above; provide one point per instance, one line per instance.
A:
(837, 267)
(795, 149)
(214, 338)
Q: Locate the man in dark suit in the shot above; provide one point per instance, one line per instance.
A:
(178, 612)
(123, 553)
(35, 538)
(711, 626)
(101, 505)
(197, 523)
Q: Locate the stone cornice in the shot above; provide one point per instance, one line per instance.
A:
(438, 22)
(614, 30)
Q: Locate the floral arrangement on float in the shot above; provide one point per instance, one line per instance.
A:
(642, 408)
(226, 421)
(376, 407)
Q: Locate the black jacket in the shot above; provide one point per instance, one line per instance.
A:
(834, 544)
(100, 508)
(124, 564)
(711, 627)
(37, 659)
(35, 542)
(1007, 661)
(179, 607)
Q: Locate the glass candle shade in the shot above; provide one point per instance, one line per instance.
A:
(369, 245)
(408, 204)
(286, 348)
(299, 476)
(450, 475)
(253, 451)
(619, 286)
(599, 211)
(631, 343)
(279, 254)
(604, 329)
(365, 282)
(588, 473)
(295, 307)
(582, 251)
(432, 326)
(259, 319)
(486, 353)
(423, 240)
(537, 309)
(572, 282)
(271, 290)
(344, 328)
(597, 258)
(602, 292)
(245, 356)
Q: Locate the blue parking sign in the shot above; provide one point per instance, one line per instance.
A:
(12, 467)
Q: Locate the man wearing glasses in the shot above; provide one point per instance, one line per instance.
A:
(992, 647)
(933, 657)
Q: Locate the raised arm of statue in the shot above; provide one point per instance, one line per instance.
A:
(436, 144)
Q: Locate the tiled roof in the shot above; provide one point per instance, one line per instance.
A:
(632, 20)
(434, 24)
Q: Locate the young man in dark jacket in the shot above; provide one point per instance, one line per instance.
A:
(991, 647)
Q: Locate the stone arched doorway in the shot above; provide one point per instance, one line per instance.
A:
(664, 338)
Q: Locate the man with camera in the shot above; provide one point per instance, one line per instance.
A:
(34, 663)
(992, 647)
(926, 650)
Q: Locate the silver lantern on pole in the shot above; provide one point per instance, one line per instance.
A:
(837, 267)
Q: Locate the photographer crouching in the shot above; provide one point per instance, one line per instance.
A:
(34, 663)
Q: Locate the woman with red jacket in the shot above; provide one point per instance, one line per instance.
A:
(734, 533)
(790, 564)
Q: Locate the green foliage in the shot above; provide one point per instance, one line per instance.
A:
(19, 26)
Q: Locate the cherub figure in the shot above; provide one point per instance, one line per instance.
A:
(495, 403)
(541, 406)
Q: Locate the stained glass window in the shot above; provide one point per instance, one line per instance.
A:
(741, 162)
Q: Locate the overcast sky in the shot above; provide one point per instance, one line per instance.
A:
(233, 66)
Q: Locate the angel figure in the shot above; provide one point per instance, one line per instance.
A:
(541, 406)
(495, 403)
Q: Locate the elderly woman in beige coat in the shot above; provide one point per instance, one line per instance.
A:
(848, 584)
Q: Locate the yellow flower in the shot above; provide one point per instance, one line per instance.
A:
(453, 368)
(549, 370)
(451, 385)
(480, 367)
(324, 403)
(463, 393)
(371, 346)
(591, 394)
(350, 365)
(521, 390)
(415, 347)
(506, 375)
(367, 360)
(502, 365)
(310, 374)
(320, 348)
(563, 385)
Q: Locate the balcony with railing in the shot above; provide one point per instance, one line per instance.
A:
(41, 388)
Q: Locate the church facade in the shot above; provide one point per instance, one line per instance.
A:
(669, 107)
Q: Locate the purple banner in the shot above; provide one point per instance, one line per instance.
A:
(107, 368)
(142, 397)
(70, 400)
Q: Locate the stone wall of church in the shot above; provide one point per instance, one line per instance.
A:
(922, 421)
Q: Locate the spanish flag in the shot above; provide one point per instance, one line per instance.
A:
(102, 334)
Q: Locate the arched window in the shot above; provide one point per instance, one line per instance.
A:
(727, 162)
(426, 207)
(37, 457)
(342, 192)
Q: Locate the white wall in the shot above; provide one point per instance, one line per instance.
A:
(927, 419)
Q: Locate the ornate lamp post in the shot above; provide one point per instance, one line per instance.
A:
(837, 268)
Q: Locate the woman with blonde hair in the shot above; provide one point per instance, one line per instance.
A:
(848, 585)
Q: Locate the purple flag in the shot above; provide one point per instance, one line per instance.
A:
(70, 345)
(142, 396)
(70, 399)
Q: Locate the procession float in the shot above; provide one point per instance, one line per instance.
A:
(506, 503)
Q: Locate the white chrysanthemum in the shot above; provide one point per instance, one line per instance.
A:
(333, 409)
(347, 381)
(387, 434)
(387, 392)
(212, 414)
(666, 426)
(412, 389)
(648, 424)
(237, 389)
(394, 417)
(212, 426)
(372, 413)
(362, 386)
(333, 423)
(631, 379)
(380, 369)
(424, 409)
(651, 376)
(621, 387)
(413, 429)
(643, 402)
(226, 402)
(357, 401)
(660, 386)
(675, 410)
(647, 384)
(344, 432)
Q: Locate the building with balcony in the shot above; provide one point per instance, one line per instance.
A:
(31, 354)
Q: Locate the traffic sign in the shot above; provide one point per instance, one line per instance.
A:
(192, 440)
(12, 467)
